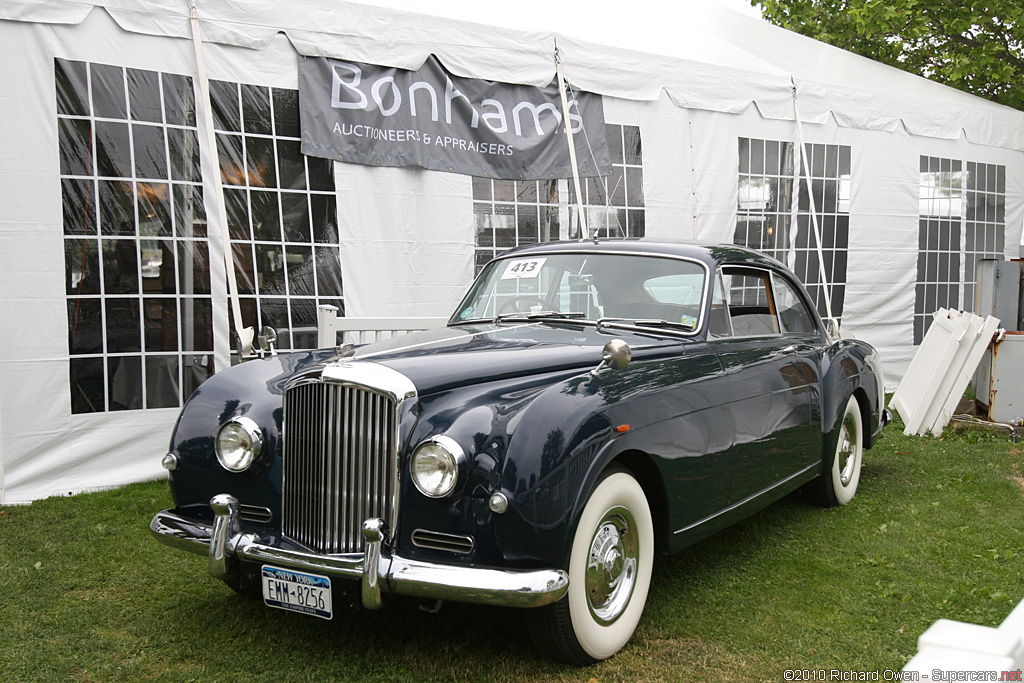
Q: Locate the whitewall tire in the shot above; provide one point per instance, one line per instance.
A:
(842, 481)
(610, 564)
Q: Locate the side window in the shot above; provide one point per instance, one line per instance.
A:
(793, 314)
(751, 307)
(719, 324)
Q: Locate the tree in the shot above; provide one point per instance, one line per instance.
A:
(974, 45)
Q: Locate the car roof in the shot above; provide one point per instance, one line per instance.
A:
(712, 255)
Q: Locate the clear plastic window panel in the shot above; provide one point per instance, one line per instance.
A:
(773, 198)
(962, 220)
(765, 196)
(984, 227)
(513, 213)
(136, 255)
(281, 212)
(614, 204)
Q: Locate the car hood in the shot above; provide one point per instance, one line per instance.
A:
(437, 360)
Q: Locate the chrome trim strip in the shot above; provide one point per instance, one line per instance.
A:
(397, 575)
(372, 376)
(419, 345)
(749, 498)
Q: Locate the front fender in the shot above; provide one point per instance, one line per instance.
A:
(561, 442)
(535, 440)
(573, 430)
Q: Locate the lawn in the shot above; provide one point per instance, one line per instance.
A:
(935, 531)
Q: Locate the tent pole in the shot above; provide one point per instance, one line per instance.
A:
(245, 334)
(805, 162)
(584, 233)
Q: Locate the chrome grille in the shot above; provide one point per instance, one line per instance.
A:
(339, 464)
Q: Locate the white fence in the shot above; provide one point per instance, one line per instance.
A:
(989, 654)
(365, 330)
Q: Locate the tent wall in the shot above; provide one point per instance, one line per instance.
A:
(407, 237)
(46, 449)
(884, 218)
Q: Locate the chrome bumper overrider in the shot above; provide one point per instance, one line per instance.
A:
(378, 569)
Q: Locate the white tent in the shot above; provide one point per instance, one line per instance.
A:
(915, 182)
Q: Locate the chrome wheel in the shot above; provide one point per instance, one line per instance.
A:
(612, 564)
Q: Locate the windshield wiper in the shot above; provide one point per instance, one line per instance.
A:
(647, 322)
(536, 315)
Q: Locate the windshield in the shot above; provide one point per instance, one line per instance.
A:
(595, 287)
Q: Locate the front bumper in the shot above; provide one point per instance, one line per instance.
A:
(379, 570)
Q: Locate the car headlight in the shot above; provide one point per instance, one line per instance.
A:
(435, 466)
(239, 443)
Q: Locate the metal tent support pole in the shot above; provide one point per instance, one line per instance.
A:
(584, 233)
(806, 164)
(245, 334)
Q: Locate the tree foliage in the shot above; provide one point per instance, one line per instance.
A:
(974, 45)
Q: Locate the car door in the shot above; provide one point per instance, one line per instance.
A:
(768, 355)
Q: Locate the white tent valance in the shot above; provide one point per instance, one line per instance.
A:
(719, 61)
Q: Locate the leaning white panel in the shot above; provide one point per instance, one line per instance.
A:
(941, 369)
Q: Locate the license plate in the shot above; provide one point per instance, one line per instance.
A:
(297, 591)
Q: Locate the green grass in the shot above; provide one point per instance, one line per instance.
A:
(935, 532)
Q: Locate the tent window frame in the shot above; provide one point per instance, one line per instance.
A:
(282, 212)
(961, 220)
(137, 275)
(773, 197)
(511, 213)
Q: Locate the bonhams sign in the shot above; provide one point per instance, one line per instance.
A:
(384, 116)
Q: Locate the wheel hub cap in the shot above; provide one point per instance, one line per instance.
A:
(845, 454)
(612, 565)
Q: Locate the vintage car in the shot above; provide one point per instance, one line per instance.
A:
(588, 405)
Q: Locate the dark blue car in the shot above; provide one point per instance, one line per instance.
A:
(587, 405)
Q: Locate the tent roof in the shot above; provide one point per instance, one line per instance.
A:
(710, 58)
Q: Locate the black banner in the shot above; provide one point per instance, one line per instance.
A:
(382, 116)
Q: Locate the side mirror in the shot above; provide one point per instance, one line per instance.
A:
(267, 340)
(616, 355)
